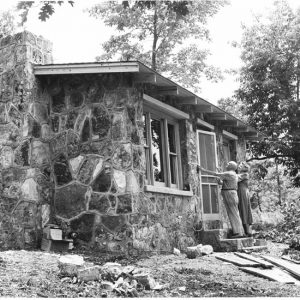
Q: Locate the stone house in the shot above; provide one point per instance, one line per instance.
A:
(108, 150)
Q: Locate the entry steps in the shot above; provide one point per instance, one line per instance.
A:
(218, 239)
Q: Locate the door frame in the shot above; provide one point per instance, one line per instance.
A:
(206, 217)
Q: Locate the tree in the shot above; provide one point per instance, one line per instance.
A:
(47, 8)
(7, 24)
(235, 107)
(158, 32)
(269, 84)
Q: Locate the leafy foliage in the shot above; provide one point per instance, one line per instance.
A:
(269, 84)
(47, 9)
(275, 189)
(235, 107)
(7, 24)
(157, 33)
(287, 231)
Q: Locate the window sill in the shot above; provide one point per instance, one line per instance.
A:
(166, 190)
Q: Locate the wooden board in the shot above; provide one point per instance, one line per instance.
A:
(254, 248)
(241, 262)
(286, 265)
(274, 274)
(263, 263)
(286, 257)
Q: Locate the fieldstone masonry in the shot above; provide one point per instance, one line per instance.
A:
(24, 150)
(72, 153)
(98, 164)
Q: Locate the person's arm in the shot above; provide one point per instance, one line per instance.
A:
(243, 176)
(218, 174)
(208, 171)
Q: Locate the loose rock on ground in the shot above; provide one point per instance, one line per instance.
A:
(37, 274)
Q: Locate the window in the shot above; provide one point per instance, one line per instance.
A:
(161, 143)
(229, 148)
(209, 186)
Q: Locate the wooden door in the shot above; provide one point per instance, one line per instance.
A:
(207, 156)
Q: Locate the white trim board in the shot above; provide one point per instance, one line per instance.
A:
(229, 135)
(165, 108)
(205, 124)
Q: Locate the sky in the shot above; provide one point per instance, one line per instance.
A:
(77, 37)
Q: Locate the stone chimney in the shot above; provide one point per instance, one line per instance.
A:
(24, 149)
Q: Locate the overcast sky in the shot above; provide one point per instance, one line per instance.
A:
(77, 37)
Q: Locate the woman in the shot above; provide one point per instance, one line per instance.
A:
(244, 197)
(229, 194)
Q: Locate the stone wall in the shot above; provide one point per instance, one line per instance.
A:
(24, 152)
(97, 160)
(72, 153)
(98, 168)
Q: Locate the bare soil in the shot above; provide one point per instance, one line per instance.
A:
(36, 274)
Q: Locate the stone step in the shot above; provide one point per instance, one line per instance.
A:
(217, 238)
(56, 245)
(211, 237)
(232, 245)
(209, 234)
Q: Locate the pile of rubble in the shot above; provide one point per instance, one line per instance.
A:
(123, 280)
(199, 250)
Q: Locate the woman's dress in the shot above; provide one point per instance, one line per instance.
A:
(244, 199)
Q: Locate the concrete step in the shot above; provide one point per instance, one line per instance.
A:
(217, 238)
(211, 237)
(232, 245)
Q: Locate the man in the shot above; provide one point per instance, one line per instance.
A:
(230, 197)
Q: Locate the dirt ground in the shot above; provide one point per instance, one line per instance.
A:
(36, 274)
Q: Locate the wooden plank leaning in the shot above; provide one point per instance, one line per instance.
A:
(274, 274)
(231, 258)
(264, 264)
(286, 265)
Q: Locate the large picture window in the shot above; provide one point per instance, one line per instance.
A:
(161, 143)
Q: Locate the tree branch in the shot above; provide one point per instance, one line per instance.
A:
(268, 156)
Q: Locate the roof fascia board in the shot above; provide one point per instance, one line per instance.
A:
(162, 107)
(205, 124)
(229, 135)
(86, 68)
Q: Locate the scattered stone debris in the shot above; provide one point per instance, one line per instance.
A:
(89, 273)
(206, 249)
(113, 277)
(176, 251)
(199, 250)
(69, 264)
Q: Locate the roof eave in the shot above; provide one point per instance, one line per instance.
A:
(165, 85)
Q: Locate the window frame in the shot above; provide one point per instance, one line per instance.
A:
(231, 141)
(165, 119)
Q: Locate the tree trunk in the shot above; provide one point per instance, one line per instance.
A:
(155, 38)
(278, 185)
(298, 79)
